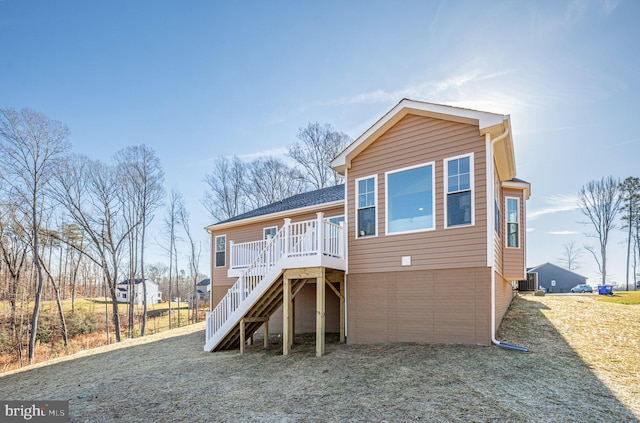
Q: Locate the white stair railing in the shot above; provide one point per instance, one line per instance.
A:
(299, 239)
(247, 282)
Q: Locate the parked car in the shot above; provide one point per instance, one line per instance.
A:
(581, 288)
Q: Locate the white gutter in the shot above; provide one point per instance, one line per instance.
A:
(493, 274)
(490, 193)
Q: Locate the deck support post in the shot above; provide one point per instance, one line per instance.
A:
(286, 315)
(293, 320)
(342, 311)
(265, 329)
(242, 337)
(320, 313)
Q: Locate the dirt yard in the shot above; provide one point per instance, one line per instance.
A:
(576, 371)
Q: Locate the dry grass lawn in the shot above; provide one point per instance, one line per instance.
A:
(583, 366)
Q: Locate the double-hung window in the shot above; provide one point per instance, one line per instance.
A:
(366, 198)
(459, 189)
(221, 250)
(410, 201)
(513, 223)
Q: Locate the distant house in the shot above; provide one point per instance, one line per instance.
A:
(153, 294)
(555, 278)
(203, 288)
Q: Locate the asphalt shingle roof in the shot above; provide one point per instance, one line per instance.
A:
(306, 199)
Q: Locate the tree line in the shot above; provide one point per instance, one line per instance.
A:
(71, 225)
(609, 203)
(234, 186)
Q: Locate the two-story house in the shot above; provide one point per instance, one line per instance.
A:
(126, 288)
(420, 244)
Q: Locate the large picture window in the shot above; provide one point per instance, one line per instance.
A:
(221, 251)
(459, 203)
(366, 197)
(410, 204)
(513, 223)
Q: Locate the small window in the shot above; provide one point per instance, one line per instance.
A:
(270, 232)
(366, 196)
(221, 250)
(124, 296)
(410, 205)
(459, 180)
(336, 220)
(513, 223)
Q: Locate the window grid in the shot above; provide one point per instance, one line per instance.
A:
(366, 215)
(513, 223)
(459, 192)
(221, 250)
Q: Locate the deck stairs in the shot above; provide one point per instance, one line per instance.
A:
(258, 292)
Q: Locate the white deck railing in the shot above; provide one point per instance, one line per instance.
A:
(294, 240)
(243, 255)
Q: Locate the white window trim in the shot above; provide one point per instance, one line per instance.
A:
(433, 198)
(506, 222)
(268, 227)
(376, 205)
(215, 252)
(471, 186)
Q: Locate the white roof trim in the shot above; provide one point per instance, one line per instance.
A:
(523, 185)
(269, 216)
(486, 122)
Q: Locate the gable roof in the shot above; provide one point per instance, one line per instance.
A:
(204, 282)
(299, 201)
(136, 281)
(519, 184)
(554, 268)
(496, 125)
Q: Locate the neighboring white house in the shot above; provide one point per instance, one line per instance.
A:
(153, 295)
(203, 288)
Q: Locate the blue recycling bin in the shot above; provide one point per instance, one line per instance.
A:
(605, 289)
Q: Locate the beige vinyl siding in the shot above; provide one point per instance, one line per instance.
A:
(416, 140)
(514, 258)
(247, 233)
(442, 306)
(504, 295)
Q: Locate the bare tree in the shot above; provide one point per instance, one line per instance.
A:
(172, 223)
(143, 174)
(89, 191)
(225, 195)
(14, 243)
(30, 145)
(317, 146)
(570, 255)
(270, 180)
(194, 258)
(599, 200)
(630, 207)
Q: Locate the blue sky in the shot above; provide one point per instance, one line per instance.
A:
(199, 79)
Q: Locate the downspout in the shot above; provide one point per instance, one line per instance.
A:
(493, 274)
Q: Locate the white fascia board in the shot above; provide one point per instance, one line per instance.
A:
(282, 214)
(524, 186)
(486, 122)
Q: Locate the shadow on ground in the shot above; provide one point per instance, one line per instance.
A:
(174, 380)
